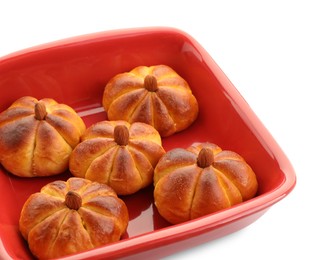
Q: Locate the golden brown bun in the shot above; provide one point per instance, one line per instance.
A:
(155, 95)
(125, 161)
(70, 217)
(190, 183)
(37, 137)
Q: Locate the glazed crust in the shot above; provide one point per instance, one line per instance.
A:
(30, 147)
(183, 190)
(53, 230)
(170, 108)
(126, 168)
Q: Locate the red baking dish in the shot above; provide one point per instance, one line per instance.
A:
(75, 71)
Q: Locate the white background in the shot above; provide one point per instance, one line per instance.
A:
(278, 54)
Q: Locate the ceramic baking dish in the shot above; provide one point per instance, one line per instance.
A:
(74, 71)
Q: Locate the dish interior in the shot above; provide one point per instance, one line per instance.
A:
(76, 71)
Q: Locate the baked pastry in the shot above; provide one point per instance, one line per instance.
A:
(154, 95)
(202, 179)
(72, 216)
(119, 154)
(38, 136)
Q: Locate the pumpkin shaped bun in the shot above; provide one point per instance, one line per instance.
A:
(202, 179)
(119, 154)
(154, 95)
(38, 136)
(72, 216)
